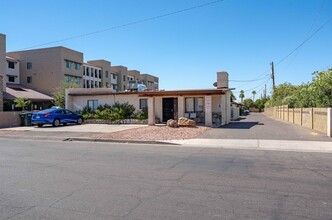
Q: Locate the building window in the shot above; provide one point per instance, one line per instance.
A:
(143, 103)
(96, 74)
(77, 66)
(115, 87)
(68, 64)
(92, 104)
(106, 74)
(114, 76)
(99, 74)
(29, 65)
(11, 79)
(194, 104)
(124, 78)
(11, 65)
(68, 79)
(88, 71)
(124, 88)
(78, 80)
(29, 79)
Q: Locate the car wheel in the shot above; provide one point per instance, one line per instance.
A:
(40, 125)
(79, 121)
(56, 122)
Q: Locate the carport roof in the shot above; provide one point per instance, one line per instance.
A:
(14, 91)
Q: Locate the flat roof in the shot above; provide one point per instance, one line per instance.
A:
(152, 93)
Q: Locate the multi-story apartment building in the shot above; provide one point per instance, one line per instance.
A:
(12, 70)
(133, 75)
(108, 79)
(2, 68)
(122, 77)
(150, 81)
(91, 76)
(44, 69)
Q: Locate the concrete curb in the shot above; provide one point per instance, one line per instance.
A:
(119, 141)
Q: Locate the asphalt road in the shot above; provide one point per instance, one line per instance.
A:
(84, 180)
(259, 126)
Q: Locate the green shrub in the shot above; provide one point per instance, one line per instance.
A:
(141, 115)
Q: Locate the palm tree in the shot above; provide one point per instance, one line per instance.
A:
(253, 95)
(241, 96)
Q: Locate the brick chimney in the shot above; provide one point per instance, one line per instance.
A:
(222, 79)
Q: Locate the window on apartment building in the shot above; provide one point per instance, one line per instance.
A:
(68, 79)
(143, 103)
(88, 71)
(96, 74)
(11, 65)
(77, 66)
(194, 104)
(114, 76)
(84, 83)
(100, 85)
(115, 87)
(99, 74)
(78, 80)
(11, 78)
(29, 65)
(68, 64)
(124, 78)
(29, 79)
(106, 74)
(83, 71)
(107, 85)
(92, 104)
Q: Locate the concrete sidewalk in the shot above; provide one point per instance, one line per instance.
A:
(258, 144)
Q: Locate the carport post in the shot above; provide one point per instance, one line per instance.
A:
(151, 111)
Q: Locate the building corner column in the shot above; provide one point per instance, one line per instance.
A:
(208, 111)
(151, 111)
(181, 106)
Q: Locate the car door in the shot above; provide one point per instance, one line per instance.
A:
(70, 116)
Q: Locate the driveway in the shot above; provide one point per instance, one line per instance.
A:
(260, 127)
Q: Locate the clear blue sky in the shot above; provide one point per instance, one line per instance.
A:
(184, 50)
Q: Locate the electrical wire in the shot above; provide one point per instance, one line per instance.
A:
(252, 80)
(305, 41)
(128, 24)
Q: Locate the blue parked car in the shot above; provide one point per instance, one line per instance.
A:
(56, 116)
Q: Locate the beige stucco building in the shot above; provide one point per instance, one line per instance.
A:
(2, 68)
(44, 69)
(210, 107)
(150, 81)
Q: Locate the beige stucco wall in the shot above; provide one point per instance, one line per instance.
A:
(307, 117)
(79, 102)
(9, 119)
(48, 67)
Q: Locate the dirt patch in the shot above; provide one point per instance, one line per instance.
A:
(151, 133)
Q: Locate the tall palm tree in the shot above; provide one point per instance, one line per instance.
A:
(253, 95)
(241, 96)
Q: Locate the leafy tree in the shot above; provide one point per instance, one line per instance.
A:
(321, 89)
(21, 103)
(253, 95)
(241, 96)
(59, 94)
(248, 103)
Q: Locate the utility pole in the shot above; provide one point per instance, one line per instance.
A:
(273, 82)
(265, 92)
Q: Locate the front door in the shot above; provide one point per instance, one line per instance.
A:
(170, 108)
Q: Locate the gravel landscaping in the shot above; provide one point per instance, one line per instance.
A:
(150, 133)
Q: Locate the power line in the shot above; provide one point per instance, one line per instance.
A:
(305, 41)
(248, 90)
(129, 24)
(252, 80)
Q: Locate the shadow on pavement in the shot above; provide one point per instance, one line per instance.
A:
(240, 125)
